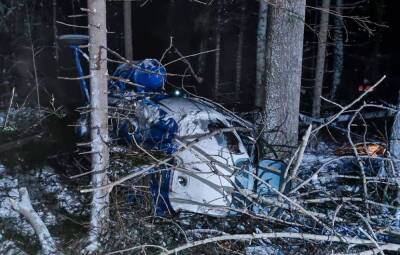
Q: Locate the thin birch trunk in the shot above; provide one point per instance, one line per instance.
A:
(338, 51)
(283, 73)
(128, 30)
(320, 66)
(239, 55)
(261, 54)
(99, 122)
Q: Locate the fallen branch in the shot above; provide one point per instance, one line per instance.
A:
(24, 207)
(346, 117)
(19, 143)
(299, 159)
(303, 236)
(385, 247)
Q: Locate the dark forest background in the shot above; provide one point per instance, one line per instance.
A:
(368, 54)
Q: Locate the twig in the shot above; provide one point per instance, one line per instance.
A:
(372, 240)
(300, 156)
(333, 118)
(75, 78)
(18, 143)
(71, 25)
(9, 108)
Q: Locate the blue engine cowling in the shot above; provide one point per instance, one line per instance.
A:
(147, 76)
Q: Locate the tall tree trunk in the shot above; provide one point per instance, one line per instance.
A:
(128, 29)
(394, 146)
(55, 44)
(239, 55)
(201, 66)
(218, 47)
(261, 54)
(283, 72)
(98, 121)
(203, 30)
(320, 66)
(170, 18)
(373, 69)
(338, 51)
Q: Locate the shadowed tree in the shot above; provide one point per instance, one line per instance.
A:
(283, 71)
(394, 146)
(218, 34)
(260, 58)
(203, 29)
(338, 50)
(239, 54)
(320, 65)
(128, 29)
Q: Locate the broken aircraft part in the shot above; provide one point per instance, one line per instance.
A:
(214, 150)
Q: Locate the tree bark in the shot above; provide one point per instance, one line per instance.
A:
(283, 73)
(338, 51)
(394, 147)
(128, 30)
(239, 54)
(320, 66)
(218, 47)
(99, 121)
(55, 44)
(395, 141)
(202, 28)
(261, 54)
(373, 69)
(201, 66)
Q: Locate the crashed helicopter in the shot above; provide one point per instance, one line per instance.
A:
(215, 156)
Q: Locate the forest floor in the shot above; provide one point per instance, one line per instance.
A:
(46, 163)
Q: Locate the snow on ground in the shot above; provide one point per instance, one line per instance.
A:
(8, 188)
(42, 185)
(67, 199)
(8, 247)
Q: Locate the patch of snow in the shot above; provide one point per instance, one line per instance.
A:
(263, 250)
(8, 247)
(66, 198)
(118, 149)
(2, 169)
(8, 189)
(313, 159)
(46, 182)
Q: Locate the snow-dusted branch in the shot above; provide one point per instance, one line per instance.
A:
(24, 207)
(288, 235)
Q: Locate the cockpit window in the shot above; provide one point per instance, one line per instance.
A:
(226, 139)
